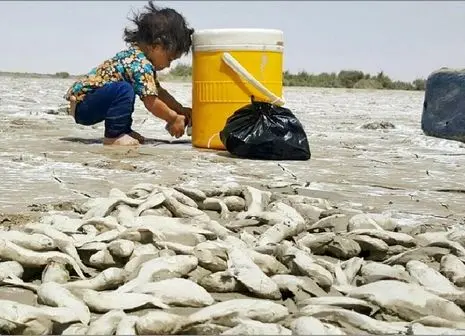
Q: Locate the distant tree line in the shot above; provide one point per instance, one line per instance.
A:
(351, 79)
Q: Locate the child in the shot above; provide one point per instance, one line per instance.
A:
(107, 93)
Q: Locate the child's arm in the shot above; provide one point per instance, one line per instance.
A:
(173, 104)
(169, 100)
(161, 110)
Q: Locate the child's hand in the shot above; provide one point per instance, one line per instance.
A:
(187, 112)
(176, 128)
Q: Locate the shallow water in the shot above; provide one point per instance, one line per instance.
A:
(46, 158)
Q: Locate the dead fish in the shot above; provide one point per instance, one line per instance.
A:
(62, 223)
(370, 244)
(17, 282)
(106, 236)
(106, 324)
(11, 251)
(158, 224)
(316, 242)
(425, 254)
(181, 210)
(215, 204)
(133, 264)
(306, 265)
(148, 187)
(374, 271)
(337, 223)
(179, 196)
(363, 221)
(457, 235)
(52, 294)
(34, 242)
(40, 326)
(125, 215)
(307, 325)
(55, 271)
(241, 223)
(357, 305)
(423, 239)
(346, 317)
(434, 321)
(301, 199)
(76, 329)
(256, 309)
(11, 269)
(291, 224)
(103, 224)
(179, 264)
(256, 200)
(333, 330)
(234, 203)
(212, 255)
(241, 266)
(105, 301)
(109, 278)
(177, 292)
(249, 239)
(159, 323)
(154, 200)
(430, 278)
(213, 226)
(452, 268)
(175, 247)
(193, 193)
(160, 211)
(351, 268)
(204, 329)
(141, 249)
(102, 207)
(267, 263)
(21, 313)
(121, 248)
(294, 284)
(102, 259)
(93, 246)
(389, 237)
(127, 326)
(419, 329)
(62, 241)
(408, 301)
(220, 282)
(251, 327)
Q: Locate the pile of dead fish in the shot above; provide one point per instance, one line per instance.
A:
(230, 260)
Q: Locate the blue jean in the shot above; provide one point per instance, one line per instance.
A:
(112, 103)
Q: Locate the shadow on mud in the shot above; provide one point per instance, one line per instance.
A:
(148, 141)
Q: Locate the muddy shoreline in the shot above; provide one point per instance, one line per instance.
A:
(50, 163)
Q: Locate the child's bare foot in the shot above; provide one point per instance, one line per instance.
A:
(139, 137)
(122, 140)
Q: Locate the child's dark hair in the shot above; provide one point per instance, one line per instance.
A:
(162, 26)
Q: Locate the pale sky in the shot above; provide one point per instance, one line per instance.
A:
(404, 39)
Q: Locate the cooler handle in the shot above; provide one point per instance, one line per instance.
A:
(241, 71)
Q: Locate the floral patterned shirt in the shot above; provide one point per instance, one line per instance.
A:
(129, 65)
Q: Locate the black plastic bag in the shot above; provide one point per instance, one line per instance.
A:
(265, 131)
